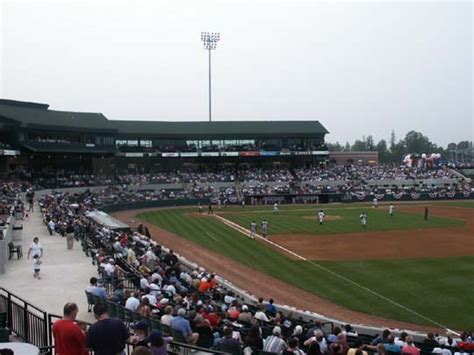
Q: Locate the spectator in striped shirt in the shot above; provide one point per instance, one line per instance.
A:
(274, 343)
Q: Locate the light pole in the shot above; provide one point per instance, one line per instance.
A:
(210, 39)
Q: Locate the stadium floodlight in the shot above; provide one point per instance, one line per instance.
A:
(209, 40)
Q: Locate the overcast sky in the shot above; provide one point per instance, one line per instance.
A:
(358, 67)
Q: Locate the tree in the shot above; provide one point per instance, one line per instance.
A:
(393, 140)
(464, 145)
(347, 147)
(369, 142)
(334, 147)
(359, 146)
(452, 146)
(416, 142)
(382, 149)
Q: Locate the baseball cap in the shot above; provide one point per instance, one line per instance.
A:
(153, 337)
(245, 308)
(140, 325)
(276, 330)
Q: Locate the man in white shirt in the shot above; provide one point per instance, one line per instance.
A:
(151, 297)
(51, 227)
(260, 314)
(319, 338)
(144, 283)
(150, 255)
(35, 248)
(170, 288)
(133, 302)
(109, 268)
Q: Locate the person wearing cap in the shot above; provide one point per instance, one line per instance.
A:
(140, 329)
(274, 343)
(158, 343)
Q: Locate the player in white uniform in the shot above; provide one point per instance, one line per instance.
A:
(264, 228)
(391, 210)
(376, 202)
(321, 217)
(363, 219)
(275, 207)
(253, 229)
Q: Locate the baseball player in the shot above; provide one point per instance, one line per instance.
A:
(427, 211)
(199, 207)
(391, 210)
(363, 219)
(376, 202)
(275, 207)
(253, 229)
(264, 228)
(219, 203)
(321, 217)
(209, 208)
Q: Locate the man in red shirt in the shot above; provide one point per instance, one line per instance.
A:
(69, 338)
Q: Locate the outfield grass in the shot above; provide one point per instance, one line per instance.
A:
(440, 289)
(304, 220)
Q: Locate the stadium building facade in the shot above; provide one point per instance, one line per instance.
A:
(34, 136)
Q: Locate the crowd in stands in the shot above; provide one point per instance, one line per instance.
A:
(173, 302)
(233, 184)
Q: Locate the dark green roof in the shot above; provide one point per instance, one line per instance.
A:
(32, 115)
(220, 128)
(38, 116)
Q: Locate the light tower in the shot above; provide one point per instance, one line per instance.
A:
(210, 39)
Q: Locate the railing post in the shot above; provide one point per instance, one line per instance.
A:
(47, 337)
(26, 322)
(9, 310)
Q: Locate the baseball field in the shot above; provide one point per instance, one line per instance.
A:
(399, 267)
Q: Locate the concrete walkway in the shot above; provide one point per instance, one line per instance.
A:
(64, 273)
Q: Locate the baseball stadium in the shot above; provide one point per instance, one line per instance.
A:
(231, 227)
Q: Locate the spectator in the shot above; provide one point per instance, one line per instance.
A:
(270, 308)
(181, 326)
(204, 330)
(158, 343)
(141, 350)
(144, 309)
(228, 344)
(410, 348)
(69, 337)
(274, 343)
(293, 348)
(314, 349)
(106, 336)
(254, 339)
(141, 333)
(318, 338)
(430, 341)
(133, 302)
(168, 316)
(96, 290)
